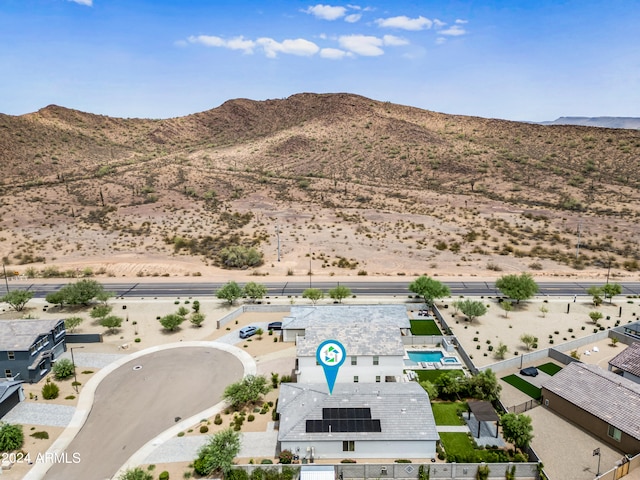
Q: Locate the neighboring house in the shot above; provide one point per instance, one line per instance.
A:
(29, 347)
(627, 363)
(11, 393)
(356, 421)
(371, 335)
(602, 402)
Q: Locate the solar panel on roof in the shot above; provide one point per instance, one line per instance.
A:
(344, 420)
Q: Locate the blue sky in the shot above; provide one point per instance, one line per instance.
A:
(518, 60)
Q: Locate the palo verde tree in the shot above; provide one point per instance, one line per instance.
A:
(216, 456)
(596, 295)
(17, 299)
(247, 391)
(230, 292)
(339, 293)
(429, 289)
(79, 293)
(610, 290)
(255, 291)
(472, 308)
(517, 287)
(313, 294)
(172, 321)
(517, 429)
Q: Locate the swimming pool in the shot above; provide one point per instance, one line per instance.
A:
(428, 356)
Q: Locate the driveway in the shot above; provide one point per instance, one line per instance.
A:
(133, 405)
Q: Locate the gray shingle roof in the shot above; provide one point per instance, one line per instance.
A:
(302, 317)
(19, 335)
(358, 338)
(403, 409)
(605, 395)
(628, 360)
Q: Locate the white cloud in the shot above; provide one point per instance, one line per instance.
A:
(237, 43)
(405, 23)
(454, 31)
(326, 12)
(461, 22)
(365, 45)
(394, 41)
(88, 3)
(353, 18)
(334, 53)
(299, 47)
(438, 23)
(440, 40)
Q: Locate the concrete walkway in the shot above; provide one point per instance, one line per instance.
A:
(47, 414)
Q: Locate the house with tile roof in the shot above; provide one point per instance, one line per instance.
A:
(371, 335)
(627, 363)
(602, 402)
(28, 348)
(356, 421)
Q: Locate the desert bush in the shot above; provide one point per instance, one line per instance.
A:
(11, 437)
(50, 390)
(204, 429)
(63, 369)
(40, 435)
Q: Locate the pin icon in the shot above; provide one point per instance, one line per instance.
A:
(331, 355)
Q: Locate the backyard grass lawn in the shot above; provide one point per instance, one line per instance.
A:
(456, 443)
(446, 413)
(550, 368)
(425, 327)
(432, 375)
(523, 386)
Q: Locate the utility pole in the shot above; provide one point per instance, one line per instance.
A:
(309, 266)
(278, 237)
(578, 246)
(6, 281)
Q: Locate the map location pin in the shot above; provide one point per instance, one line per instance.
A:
(331, 355)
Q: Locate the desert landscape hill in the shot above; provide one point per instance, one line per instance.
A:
(350, 185)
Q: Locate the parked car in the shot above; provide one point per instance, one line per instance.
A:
(247, 332)
(275, 326)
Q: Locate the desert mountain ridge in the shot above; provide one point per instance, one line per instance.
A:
(604, 122)
(351, 185)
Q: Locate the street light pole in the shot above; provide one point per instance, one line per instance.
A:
(73, 362)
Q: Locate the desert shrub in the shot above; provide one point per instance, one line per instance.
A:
(251, 418)
(63, 369)
(285, 457)
(163, 475)
(347, 460)
(11, 437)
(218, 419)
(50, 390)
(40, 435)
(204, 429)
(266, 461)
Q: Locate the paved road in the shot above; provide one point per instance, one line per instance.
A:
(133, 406)
(359, 288)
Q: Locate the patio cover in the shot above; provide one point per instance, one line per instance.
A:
(484, 412)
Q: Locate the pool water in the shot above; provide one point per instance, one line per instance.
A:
(425, 356)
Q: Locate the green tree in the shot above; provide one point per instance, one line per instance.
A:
(248, 390)
(216, 456)
(485, 386)
(430, 388)
(610, 290)
(81, 292)
(518, 287)
(429, 289)
(111, 322)
(313, 294)
(528, 340)
(72, 323)
(595, 316)
(596, 294)
(472, 308)
(517, 429)
(63, 369)
(255, 291)
(196, 306)
(11, 437)
(17, 299)
(100, 311)
(197, 319)
(135, 474)
(182, 311)
(339, 293)
(104, 296)
(507, 307)
(172, 321)
(450, 384)
(230, 292)
(56, 298)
